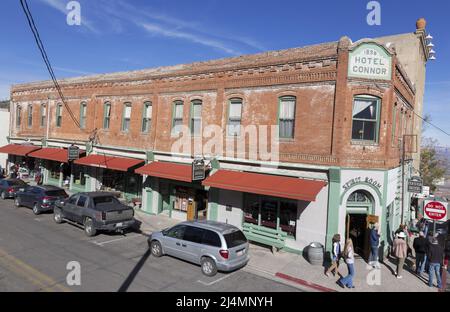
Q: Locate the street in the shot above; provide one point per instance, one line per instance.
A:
(35, 251)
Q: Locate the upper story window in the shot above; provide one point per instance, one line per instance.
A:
(18, 116)
(234, 117)
(126, 117)
(59, 115)
(30, 116)
(177, 121)
(196, 117)
(286, 117)
(83, 112)
(43, 114)
(147, 117)
(106, 115)
(366, 111)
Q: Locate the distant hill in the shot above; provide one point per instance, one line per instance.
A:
(4, 104)
(443, 152)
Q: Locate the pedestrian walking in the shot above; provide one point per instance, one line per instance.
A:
(349, 257)
(436, 259)
(374, 239)
(335, 255)
(400, 252)
(420, 247)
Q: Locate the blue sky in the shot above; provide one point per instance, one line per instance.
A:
(120, 35)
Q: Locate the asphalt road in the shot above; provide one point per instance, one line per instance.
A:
(35, 252)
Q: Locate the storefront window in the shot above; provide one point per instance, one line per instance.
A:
(79, 175)
(181, 199)
(54, 170)
(278, 214)
(125, 184)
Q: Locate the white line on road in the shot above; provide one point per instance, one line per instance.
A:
(216, 281)
(114, 240)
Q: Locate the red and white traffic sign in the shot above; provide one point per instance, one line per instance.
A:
(435, 210)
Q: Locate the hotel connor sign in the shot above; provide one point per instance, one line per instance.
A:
(370, 61)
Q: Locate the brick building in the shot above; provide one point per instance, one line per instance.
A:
(341, 109)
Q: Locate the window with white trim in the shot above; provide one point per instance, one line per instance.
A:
(177, 121)
(147, 117)
(286, 117)
(126, 118)
(234, 117)
(365, 119)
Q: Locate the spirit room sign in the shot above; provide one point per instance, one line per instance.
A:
(370, 61)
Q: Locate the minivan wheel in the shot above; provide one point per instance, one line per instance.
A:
(209, 267)
(57, 216)
(17, 202)
(89, 227)
(156, 249)
(36, 210)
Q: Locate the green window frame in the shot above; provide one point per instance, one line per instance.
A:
(83, 114)
(195, 115)
(43, 114)
(106, 115)
(287, 106)
(366, 119)
(177, 117)
(147, 112)
(58, 115)
(30, 116)
(18, 116)
(126, 117)
(235, 106)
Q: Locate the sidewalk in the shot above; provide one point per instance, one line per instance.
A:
(295, 270)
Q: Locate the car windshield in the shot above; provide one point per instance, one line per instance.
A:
(16, 183)
(235, 238)
(56, 193)
(105, 200)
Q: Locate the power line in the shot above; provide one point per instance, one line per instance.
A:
(440, 129)
(41, 48)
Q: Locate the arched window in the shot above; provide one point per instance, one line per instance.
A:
(286, 117)
(106, 115)
(83, 113)
(30, 116)
(177, 120)
(359, 197)
(234, 116)
(18, 116)
(59, 115)
(366, 118)
(147, 117)
(196, 117)
(126, 117)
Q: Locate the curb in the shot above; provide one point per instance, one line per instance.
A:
(304, 283)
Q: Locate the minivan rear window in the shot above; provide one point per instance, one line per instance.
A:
(56, 193)
(235, 238)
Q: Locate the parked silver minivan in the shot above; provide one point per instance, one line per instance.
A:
(215, 246)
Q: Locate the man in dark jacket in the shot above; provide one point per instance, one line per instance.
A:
(420, 247)
(436, 258)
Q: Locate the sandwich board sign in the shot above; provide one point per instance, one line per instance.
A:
(435, 210)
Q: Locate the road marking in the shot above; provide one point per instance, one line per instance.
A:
(114, 240)
(217, 280)
(45, 282)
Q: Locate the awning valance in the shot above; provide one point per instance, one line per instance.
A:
(167, 170)
(18, 149)
(109, 162)
(56, 154)
(265, 184)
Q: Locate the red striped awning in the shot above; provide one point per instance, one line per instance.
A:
(109, 162)
(18, 149)
(265, 184)
(167, 170)
(55, 154)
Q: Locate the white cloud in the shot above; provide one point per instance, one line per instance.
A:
(159, 30)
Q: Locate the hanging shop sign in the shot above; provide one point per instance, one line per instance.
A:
(415, 185)
(73, 152)
(370, 61)
(198, 169)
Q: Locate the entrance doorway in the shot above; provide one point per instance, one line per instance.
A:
(359, 206)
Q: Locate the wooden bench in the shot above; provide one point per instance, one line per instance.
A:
(264, 235)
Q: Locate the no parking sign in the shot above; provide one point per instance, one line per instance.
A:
(435, 210)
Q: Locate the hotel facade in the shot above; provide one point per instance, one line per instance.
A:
(344, 114)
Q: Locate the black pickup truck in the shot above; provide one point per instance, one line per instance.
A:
(95, 211)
